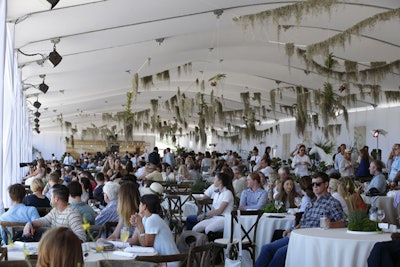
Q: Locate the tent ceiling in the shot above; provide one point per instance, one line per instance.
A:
(103, 43)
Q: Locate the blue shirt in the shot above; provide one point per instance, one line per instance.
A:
(378, 182)
(325, 206)
(18, 213)
(108, 214)
(84, 209)
(253, 200)
(395, 168)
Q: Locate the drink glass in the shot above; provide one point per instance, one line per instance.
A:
(99, 245)
(380, 214)
(278, 205)
(297, 201)
(124, 235)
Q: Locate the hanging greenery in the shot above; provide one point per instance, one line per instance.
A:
(147, 81)
(289, 49)
(257, 97)
(68, 125)
(301, 112)
(128, 106)
(135, 85)
(246, 102)
(154, 106)
(393, 96)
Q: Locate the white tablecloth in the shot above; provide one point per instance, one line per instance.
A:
(265, 230)
(330, 248)
(91, 260)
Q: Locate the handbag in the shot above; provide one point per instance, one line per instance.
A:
(234, 250)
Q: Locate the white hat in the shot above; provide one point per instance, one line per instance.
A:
(155, 188)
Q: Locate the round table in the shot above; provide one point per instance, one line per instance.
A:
(331, 247)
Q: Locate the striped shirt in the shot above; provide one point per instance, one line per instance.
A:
(70, 217)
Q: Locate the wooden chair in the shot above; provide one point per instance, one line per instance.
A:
(248, 234)
(182, 258)
(10, 228)
(3, 254)
(110, 226)
(18, 263)
(126, 263)
(200, 256)
(43, 211)
(175, 214)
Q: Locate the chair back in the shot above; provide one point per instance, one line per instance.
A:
(248, 233)
(200, 256)
(94, 232)
(3, 254)
(126, 263)
(182, 258)
(190, 239)
(18, 263)
(174, 213)
(10, 229)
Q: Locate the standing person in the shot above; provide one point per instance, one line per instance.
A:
(213, 220)
(68, 160)
(18, 212)
(62, 214)
(169, 157)
(150, 229)
(257, 160)
(324, 205)
(339, 156)
(254, 197)
(346, 166)
(60, 247)
(154, 157)
(206, 163)
(301, 162)
(267, 155)
(395, 167)
(363, 167)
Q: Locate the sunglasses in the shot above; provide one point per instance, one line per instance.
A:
(317, 184)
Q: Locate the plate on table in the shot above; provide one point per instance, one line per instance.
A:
(107, 246)
(363, 232)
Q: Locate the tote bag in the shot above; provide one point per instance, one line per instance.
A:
(232, 246)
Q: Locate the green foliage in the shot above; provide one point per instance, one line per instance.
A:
(359, 221)
(270, 208)
(199, 187)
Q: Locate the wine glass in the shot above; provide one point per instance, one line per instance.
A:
(124, 235)
(297, 201)
(278, 205)
(380, 214)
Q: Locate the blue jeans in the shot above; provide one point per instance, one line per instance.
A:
(191, 221)
(273, 254)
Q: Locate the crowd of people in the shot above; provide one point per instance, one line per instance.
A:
(124, 189)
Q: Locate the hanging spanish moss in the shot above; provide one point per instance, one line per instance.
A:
(246, 101)
(289, 49)
(147, 81)
(135, 85)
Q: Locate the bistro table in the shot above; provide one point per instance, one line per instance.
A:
(331, 247)
(91, 259)
(268, 223)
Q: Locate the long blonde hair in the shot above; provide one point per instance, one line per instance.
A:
(60, 247)
(128, 201)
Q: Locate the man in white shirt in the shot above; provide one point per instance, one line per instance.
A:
(68, 160)
(169, 158)
(257, 159)
(339, 157)
(265, 168)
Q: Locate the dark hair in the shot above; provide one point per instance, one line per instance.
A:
(17, 192)
(322, 175)
(152, 202)
(378, 164)
(255, 149)
(226, 181)
(228, 170)
(100, 176)
(75, 189)
(61, 191)
(305, 183)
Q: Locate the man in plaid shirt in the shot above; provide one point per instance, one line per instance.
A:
(324, 205)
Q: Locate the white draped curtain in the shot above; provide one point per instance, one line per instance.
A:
(16, 133)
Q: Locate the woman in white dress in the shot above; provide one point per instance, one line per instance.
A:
(301, 162)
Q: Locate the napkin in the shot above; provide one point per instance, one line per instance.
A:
(139, 249)
(125, 254)
(119, 244)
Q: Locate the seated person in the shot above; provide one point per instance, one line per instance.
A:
(324, 205)
(151, 230)
(54, 178)
(37, 199)
(18, 212)
(213, 220)
(62, 214)
(75, 200)
(109, 213)
(378, 180)
(255, 196)
(98, 190)
(60, 247)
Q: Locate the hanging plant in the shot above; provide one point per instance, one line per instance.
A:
(135, 85)
(289, 49)
(213, 80)
(246, 101)
(272, 95)
(330, 61)
(301, 110)
(154, 106)
(128, 106)
(202, 85)
(257, 97)
(68, 125)
(72, 141)
(393, 96)
(147, 81)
